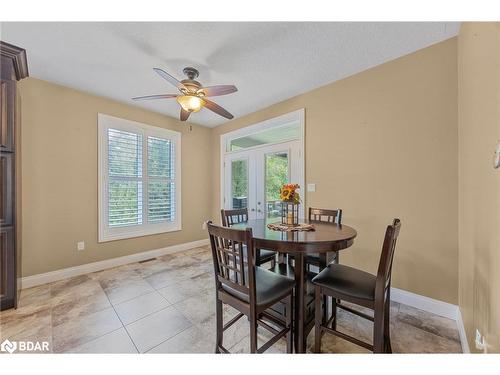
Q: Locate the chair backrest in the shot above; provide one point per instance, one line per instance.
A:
(230, 217)
(325, 216)
(388, 248)
(228, 255)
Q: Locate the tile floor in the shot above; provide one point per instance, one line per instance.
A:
(167, 305)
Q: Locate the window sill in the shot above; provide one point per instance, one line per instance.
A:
(129, 232)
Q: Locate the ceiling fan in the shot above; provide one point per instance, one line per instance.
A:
(193, 96)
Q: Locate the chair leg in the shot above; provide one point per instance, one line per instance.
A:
(378, 328)
(387, 333)
(325, 309)
(253, 333)
(334, 313)
(219, 325)
(318, 319)
(273, 263)
(289, 320)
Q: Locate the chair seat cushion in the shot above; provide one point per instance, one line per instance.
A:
(270, 287)
(266, 255)
(347, 281)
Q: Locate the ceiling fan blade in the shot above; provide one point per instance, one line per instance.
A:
(149, 97)
(184, 115)
(218, 90)
(214, 107)
(172, 80)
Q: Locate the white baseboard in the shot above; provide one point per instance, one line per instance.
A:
(431, 305)
(434, 306)
(461, 332)
(44, 278)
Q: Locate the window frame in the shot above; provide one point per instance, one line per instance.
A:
(107, 233)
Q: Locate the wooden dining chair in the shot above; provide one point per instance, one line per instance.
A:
(322, 215)
(363, 289)
(248, 288)
(237, 216)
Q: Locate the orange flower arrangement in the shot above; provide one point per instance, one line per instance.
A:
(288, 193)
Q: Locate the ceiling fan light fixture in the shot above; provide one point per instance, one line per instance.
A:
(190, 103)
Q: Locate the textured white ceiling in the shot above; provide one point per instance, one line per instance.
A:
(268, 62)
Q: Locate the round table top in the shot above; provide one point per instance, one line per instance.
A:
(325, 237)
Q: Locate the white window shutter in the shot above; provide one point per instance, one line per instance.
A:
(139, 193)
(124, 178)
(161, 180)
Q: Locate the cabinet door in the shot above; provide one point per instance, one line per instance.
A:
(7, 99)
(7, 267)
(6, 189)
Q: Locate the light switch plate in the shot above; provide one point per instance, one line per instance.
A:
(311, 187)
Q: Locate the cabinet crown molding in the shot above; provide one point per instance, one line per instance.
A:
(18, 57)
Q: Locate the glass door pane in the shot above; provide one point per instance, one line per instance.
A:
(239, 183)
(276, 174)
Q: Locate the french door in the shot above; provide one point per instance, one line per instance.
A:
(253, 177)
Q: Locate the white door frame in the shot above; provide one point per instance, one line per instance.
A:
(298, 115)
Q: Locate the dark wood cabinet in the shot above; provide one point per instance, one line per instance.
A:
(7, 119)
(13, 67)
(8, 284)
(7, 189)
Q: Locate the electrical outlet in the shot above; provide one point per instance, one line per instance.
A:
(204, 225)
(80, 246)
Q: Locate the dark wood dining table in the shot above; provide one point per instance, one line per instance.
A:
(326, 237)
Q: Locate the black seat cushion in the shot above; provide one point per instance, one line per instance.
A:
(314, 257)
(270, 287)
(348, 281)
(265, 255)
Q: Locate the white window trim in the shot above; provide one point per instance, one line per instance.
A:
(110, 234)
(275, 122)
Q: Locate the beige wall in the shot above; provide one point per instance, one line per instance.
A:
(383, 144)
(380, 144)
(59, 174)
(479, 183)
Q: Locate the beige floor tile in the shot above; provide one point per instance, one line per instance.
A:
(168, 277)
(428, 322)
(200, 309)
(188, 288)
(153, 329)
(114, 342)
(83, 329)
(72, 289)
(152, 266)
(406, 338)
(77, 307)
(139, 307)
(114, 277)
(191, 340)
(25, 325)
(127, 290)
(36, 298)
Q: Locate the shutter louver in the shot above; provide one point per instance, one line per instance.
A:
(125, 178)
(161, 185)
